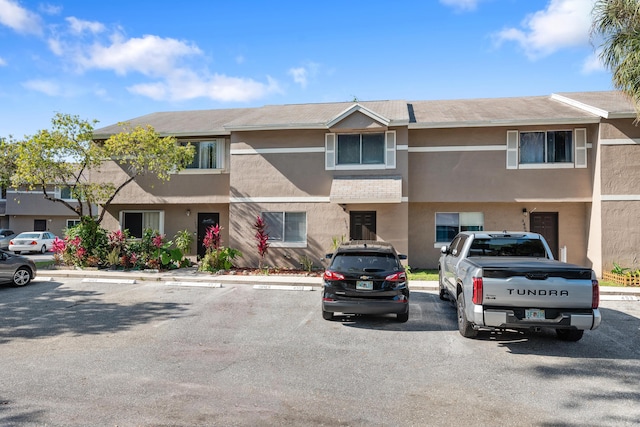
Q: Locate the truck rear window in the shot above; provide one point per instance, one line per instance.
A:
(507, 246)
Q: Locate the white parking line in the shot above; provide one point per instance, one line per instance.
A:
(103, 280)
(284, 287)
(200, 284)
(619, 298)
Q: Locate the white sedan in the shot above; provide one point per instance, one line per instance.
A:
(32, 241)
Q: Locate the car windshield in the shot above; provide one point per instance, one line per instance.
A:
(500, 246)
(29, 235)
(366, 262)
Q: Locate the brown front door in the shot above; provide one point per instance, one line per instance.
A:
(546, 223)
(205, 220)
(362, 225)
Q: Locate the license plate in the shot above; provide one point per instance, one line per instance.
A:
(533, 314)
(366, 285)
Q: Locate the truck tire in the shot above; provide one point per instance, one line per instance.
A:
(464, 326)
(569, 334)
(327, 315)
(442, 290)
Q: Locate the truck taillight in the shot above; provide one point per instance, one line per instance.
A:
(595, 294)
(477, 290)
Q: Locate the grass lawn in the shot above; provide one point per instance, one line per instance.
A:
(418, 274)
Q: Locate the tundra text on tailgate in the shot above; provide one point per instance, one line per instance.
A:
(505, 280)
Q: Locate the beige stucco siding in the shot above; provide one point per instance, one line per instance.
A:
(572, 223)
(621, 169)
(620, 234)
(481, 175)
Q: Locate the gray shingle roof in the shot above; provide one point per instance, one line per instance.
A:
(577, 107)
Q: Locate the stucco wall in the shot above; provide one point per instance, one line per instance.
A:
(572, 223)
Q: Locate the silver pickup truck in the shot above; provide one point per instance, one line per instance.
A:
(509, 280)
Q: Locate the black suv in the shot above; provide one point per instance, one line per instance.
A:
(365, 277)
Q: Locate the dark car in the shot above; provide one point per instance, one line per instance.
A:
(16, 269)
(365, 277)
(5, 237)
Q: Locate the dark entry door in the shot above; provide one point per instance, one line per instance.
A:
(205, 220)
(39, 225)
(362, 225)
(546, 223)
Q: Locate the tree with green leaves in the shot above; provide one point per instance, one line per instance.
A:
(66, 155)
(616, 25)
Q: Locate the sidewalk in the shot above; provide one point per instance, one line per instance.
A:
(192, 275)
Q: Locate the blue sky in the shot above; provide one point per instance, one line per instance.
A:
(116, 60)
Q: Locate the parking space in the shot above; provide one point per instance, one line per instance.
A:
(151, 353)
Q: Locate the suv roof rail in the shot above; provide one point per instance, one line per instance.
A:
(367, 243)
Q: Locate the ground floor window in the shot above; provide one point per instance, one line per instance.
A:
(138, 221)
(286, 228)
(448, 224)
(72, 223)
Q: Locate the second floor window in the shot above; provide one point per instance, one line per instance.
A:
(546, 147)
(361, 149)
(209, 154)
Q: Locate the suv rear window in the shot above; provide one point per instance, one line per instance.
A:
(364, 261)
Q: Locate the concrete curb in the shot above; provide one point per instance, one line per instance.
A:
(184, 277)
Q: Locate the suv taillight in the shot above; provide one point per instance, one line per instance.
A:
(396, 277)
(477, 290)
(332, 275)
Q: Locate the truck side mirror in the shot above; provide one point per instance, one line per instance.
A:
(444, 250)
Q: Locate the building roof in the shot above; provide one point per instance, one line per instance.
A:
(560, 108)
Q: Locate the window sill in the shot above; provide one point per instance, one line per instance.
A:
(288, 244)
(546, 166)
(202, 172)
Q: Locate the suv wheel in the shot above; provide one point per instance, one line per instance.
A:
(403, 317)
(327, 315)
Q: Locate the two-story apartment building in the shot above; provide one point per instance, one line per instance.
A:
(411, 173)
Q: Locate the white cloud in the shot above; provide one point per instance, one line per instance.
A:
(593, 64)
(2, 62)
(50, 9)
(149, 55)
(79, 26)
(461, 5)
(183, 85)
(564, 23)
(299, 75)
(14, 16)
(44, 86)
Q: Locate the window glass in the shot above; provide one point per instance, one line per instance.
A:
(361, 149)
(449, 224)
(546, 147)
(286, 226)
(348, 149)
(531, 147)
(295, 227)
(373, 149)
(137, 222)
(208, 154)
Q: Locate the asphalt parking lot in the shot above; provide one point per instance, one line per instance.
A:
(80, 353)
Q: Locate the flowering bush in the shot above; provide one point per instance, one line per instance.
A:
(216, 257)
(262, 238)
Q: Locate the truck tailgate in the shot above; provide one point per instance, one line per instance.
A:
(552, 285)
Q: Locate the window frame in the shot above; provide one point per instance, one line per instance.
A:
(220, 148)
(578, 150)
(282, 243)
(389, 149)
(467, 226)
(122, 214)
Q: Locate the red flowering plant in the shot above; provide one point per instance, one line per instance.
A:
(59, 247)
(216, 256)
(74, 253)
(262, 238)
(118, 249)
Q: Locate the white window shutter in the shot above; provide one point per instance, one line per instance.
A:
(329, 151)
(580, 141)
(512, 149)
(220, 153)
(390, 138)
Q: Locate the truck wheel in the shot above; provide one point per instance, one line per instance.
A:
(327, 315)
(569, 334)
(464, 326)
(403, 317)
(443, 291)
